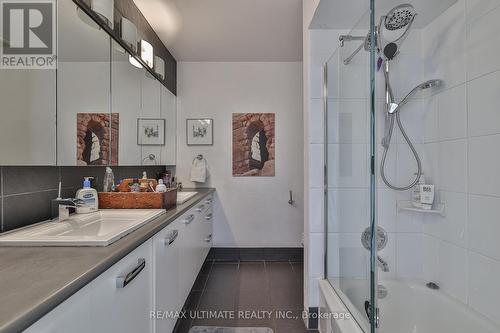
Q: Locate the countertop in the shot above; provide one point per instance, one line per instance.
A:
(34, 280)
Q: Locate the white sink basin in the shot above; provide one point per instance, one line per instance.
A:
(95, 229)
(182, 197)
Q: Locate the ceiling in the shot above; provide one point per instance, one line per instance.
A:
(227, 30)
(354, 14)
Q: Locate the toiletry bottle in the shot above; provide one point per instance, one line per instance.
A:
(173, 184)
(144, 182)
(415, 192)
(109, 180)
(89, 197)
(135, 186)
(161, 187)
(427, 196)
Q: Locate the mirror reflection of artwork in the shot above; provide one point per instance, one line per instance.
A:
(97, 136)
(199, 132)
(150, 132)
(253, 144)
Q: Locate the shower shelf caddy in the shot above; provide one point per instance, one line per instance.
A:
(407, 206)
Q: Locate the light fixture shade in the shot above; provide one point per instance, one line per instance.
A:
(133, 61)
(105, 9)
(160, 67)
(147, 54)
(129, 33)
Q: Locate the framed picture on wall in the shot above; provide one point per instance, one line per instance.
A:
(199, 132)
(150, 132)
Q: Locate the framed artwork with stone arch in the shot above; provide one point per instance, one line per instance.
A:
(254, 144)
(97, 138)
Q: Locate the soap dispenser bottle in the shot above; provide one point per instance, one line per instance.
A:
(89, 197)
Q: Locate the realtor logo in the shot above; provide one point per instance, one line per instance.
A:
(28, 34)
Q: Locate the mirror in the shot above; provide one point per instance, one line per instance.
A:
(85, 125)
(146, 110)
(95, 109)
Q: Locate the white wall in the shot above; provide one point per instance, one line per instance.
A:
(462, 136)
(254, 211)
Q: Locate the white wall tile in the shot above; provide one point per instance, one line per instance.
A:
(348, 165)
(389, 255)
(386, 209)
(483, 44)
(452, 113)
(484, 226)
(430, 259)
(453, 165)
(316, 81)
(412, 118)
(445, 46)
(407, 164)
(478, 8)
(409, 255)
(484, 99)
(333, 255)
(453, 227)
(484, 289)
(348, 210)
(316, 165)
(316, 210)
(430, 107)
(484, 165)
(348, 121)
(316, 121)
(430, 164)
(453, 270)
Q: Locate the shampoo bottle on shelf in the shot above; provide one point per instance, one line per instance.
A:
(89, 197)
(161, 187)
(415, 192)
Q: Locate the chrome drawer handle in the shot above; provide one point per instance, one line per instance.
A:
(208, 239)
(200, 208)
(208, 217)
(171, 238)
(123, 280)
(189, 219)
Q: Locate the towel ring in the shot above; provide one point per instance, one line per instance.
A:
(199, 157)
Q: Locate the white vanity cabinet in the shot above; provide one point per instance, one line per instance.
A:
(166, 298)
(122, 297)
(156, 276)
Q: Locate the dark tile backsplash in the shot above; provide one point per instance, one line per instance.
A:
(25, 192)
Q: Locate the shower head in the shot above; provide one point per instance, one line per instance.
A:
(399, 17)
(423, 86)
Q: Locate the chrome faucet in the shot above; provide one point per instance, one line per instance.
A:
(65, 206)
(382, 264)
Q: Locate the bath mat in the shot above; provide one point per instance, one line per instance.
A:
(214, 329)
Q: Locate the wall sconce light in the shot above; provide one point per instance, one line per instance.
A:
(133, 61)
(147, 53)
(160, 67)
(129, 33)
(104, 8)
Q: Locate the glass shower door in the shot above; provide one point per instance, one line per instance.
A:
(350, 193)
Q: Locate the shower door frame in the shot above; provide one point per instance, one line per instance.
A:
(374, 318)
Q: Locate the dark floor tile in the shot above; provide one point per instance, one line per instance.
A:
(26, 209)
(250, 300)
(218, 300)
(29, 179)
(183, 325)
(215, 322)
(223, 277)
(200, 282)
(266, 322)
(206, 268)
(284, 299)
(193, 300)
(290, 326)
(253, 276)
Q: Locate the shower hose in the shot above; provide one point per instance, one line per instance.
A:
(386, 143)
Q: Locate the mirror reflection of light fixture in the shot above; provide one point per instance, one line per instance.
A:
(160, 67)
(129, 33)
(104, 8)
(86, 19)
(133, 61)
(147, 53)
